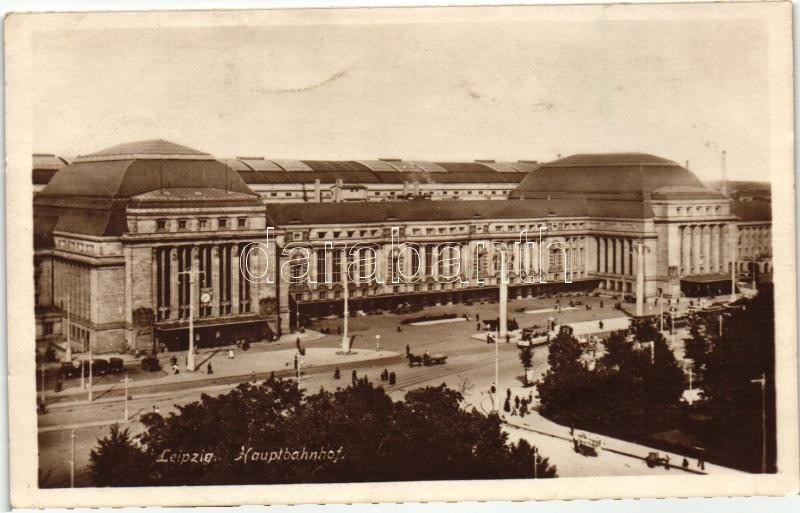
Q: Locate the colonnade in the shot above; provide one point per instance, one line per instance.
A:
(703, 249)
(217, 272)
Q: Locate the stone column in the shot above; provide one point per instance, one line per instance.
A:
(696, 231)
(235, 277)
(216, 293)
(639, 279)
(155, 292)
(707, 248)
(601, 249)
(714, 241)
(686, 249)
(173, 283)
(617, 256)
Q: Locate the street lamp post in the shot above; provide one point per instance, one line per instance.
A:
(378, 342)
(762, 381)
(68, 353)
(42, 382)
(126, 380)
(72, 460)
(733, 269)
(345, 336)
(91, 380)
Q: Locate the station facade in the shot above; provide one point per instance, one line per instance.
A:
(123, 236)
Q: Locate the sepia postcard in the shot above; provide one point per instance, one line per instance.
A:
(401, 254)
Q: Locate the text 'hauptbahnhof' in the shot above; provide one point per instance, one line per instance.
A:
(117, 234)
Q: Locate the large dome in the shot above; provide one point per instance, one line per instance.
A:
(631, 174)
(91, 195)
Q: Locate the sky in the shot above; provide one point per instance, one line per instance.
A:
(481, 89)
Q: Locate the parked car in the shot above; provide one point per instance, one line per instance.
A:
(70, 370)
(116, 365)
(99, 367)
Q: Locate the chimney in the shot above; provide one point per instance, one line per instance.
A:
(337, 191)
(724, 184)
(317, 192)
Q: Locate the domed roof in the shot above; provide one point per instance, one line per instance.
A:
(633, 174)
(91, 195)
(150, 149)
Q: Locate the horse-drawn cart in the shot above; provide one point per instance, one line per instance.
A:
(426, 359)
(586, 445)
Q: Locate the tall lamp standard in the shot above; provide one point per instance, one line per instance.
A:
(346, 292)
(733, 269)
(190, 360)
(762, 381)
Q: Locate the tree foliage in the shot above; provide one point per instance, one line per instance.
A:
(728, 365)
(365, 435)
(633, 381)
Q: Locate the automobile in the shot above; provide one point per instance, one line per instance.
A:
(586, 445)
(654, 459)
(116, 365)
(99, 366)
(150, 363)
(70, 370)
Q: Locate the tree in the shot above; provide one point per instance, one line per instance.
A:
(526, 358)
(119, 461)
(565, 390)
(272, 433)
(744, 351)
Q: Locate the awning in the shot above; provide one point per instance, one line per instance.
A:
(198, 323)
(707, 278)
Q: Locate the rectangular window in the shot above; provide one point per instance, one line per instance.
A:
(336, 272)
(222, 222)
(203, 224)
(322, 271)
(161, 225)
(182, 224)
(297, 235)
(242, 222)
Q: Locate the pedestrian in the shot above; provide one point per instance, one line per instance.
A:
(408, 350)
(253, 376)
(666, 461)
(337, 373)
(571, 430)
(354, 376)
(209, 369)
(392, 378)
(478, 325)
(685, 463)
(508, 338)
(478, 318)
(399, 328)
(601, 303)
(601, 324)
(701, 464)
(339, 329)
(516, 401)
(175, 369)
